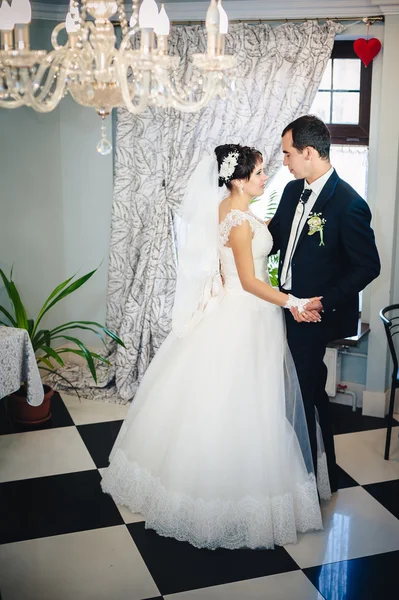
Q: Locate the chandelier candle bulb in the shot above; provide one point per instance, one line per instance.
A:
(223, 29)
(6, 27)
(148, 14)
(70, 24)
(72, 30)
(162, 28)
(21, 12)
(212, 26)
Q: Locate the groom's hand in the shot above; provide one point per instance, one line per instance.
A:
(311, 314)
(314, 305)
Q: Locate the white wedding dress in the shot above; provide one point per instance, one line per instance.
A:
(214, 449)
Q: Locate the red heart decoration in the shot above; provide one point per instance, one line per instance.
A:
(367, 49)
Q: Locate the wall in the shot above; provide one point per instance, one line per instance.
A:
(385, 164)
(55, 203)
(56, 199)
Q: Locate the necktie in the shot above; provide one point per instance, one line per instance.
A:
(302, 201)
(305, 196)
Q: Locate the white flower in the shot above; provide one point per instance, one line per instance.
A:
(316, 225)
(228, 165)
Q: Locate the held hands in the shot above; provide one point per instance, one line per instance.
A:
(310, 313)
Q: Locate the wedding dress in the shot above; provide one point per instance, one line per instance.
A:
(214, 449)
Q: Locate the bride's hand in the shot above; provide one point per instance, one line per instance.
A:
(306, 316)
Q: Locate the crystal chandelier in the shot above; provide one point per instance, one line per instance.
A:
(101, 74)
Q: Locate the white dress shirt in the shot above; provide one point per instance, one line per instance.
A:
(301, 214)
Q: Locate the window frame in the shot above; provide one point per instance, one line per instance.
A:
(346, 134)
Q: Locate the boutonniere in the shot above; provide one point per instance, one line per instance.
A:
(316, 225)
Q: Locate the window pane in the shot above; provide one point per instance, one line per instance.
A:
(321, 106)
(351, 163)
(346, 75)
(325, 83)
(346, 107)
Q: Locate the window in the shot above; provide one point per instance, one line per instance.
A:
(343, 98)
(343, 103)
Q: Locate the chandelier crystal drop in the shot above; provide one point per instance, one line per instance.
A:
(100, 73)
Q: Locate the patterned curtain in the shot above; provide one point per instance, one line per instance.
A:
(278, 74)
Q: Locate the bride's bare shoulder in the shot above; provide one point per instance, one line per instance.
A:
(224, 209)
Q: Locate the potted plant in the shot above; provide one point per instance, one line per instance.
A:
(273, 260)
(47, 343)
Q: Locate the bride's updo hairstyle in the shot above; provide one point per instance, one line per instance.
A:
(236, 162)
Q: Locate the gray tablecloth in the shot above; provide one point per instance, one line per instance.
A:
(18, 365)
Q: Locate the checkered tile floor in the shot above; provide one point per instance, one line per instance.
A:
(61, 538)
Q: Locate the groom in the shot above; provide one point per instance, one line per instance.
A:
(327, 248)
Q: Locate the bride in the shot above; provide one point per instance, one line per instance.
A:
(215, 449)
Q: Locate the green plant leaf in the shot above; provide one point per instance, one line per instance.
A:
(63, 378)
(20, 312)
(46, 362)
(31, 324)
(55, 291)
(86, 352)
(50, 352)
(71, 324)
(68, 327)
(43, 335)
(12, 298)
(9, 317)
(272, 205)
(53, 298)
(19, 309)
(80, 353)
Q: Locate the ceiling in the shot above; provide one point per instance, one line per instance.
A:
(247, 9)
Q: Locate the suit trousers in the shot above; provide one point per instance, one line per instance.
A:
(308, 346)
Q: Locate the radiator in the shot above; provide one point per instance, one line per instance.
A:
(332, 360)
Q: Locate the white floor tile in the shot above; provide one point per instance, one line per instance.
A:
(86, 411)
(355, 525)
(285, 586)
(102, 564)
(40, 453)
(127, 516)
(361, 455)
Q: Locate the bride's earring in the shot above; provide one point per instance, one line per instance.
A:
(241, 188)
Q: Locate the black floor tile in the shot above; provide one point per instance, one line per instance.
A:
(99, 439)
(344, 420)
(345, 480)
(369, 578)
(60, 417)
(178, 566)
(387, 493)
(45, 506)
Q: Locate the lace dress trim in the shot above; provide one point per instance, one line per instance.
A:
(251, 522)
(234, 218)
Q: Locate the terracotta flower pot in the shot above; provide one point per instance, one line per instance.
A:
(26, 414)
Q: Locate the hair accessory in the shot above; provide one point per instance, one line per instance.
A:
(228, 166)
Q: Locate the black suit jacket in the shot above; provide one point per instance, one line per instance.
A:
(341, 268)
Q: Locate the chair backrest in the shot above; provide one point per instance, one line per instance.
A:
(390, 318)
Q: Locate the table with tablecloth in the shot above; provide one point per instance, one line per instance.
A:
(18, 365)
